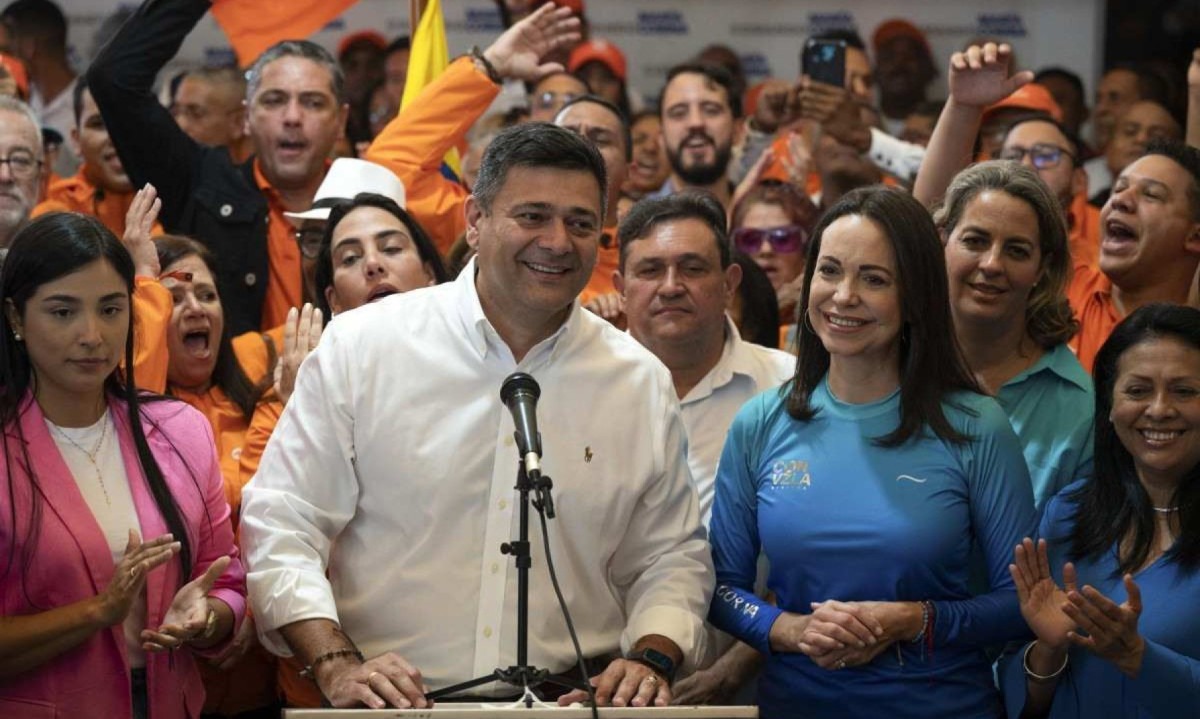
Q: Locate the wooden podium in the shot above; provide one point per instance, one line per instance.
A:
(507, 711)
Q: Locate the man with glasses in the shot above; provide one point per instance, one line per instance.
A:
(21, 165)
(551, 93)
(1048, 148)
(347, 177)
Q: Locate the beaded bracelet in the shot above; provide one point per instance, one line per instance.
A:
(1040, 678)
(494, 76)
(308, 671)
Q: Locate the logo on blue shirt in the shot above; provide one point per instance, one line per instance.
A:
(790, 473)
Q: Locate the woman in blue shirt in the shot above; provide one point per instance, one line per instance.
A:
(1008, 264)
(1117, 625)
(866, 482)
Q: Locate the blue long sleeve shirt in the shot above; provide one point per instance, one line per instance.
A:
(840, 517)
(1168, 685)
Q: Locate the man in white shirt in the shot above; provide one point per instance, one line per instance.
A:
(392, 468)
(677, 279)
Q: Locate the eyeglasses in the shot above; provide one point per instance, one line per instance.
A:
(549, 99)
(784, 240)
(310, 239)
(21, 164)
(1043, 156)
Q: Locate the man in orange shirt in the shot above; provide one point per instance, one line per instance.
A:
(100, 188)
(1149, 248)
(1046, 147)
(295, 113)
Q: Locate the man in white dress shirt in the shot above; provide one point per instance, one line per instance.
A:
(393, 467)
(677, 279)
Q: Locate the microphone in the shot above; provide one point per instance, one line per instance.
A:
(520, 394)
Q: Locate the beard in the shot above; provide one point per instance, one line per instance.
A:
(704, 173)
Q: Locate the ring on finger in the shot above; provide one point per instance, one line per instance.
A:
(841, 664)
(371, 676)
(650, 678)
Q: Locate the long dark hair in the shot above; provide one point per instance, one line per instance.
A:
(1114, 505)
(426, 250)
(227, 372)
(50, 247)
(931, 363)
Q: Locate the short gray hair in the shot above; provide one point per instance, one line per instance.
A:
(11, 104)
(537, 144)
(296, 48)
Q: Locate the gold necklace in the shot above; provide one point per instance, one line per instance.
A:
(91, 456)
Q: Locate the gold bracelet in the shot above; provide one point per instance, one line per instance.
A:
(1041, 678)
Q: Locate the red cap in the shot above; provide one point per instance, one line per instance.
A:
(354, 38)
(899, 28)
(598, 51)
(1029, 97)
(16, 68)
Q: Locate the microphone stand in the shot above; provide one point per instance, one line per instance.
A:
(522, 675)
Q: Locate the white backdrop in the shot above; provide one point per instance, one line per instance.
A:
(656, 34)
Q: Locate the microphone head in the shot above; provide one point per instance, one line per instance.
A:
(519, 383)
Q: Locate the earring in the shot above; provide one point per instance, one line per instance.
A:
(16, 335)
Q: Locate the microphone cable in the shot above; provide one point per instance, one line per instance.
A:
(562, 603)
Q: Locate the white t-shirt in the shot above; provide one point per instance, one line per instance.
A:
(93, 454)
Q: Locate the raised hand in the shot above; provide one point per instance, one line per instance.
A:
(139, 225)
(980, 75)
(1112, 629)
(187, 616)
(777, 105)
(301, 333)
(519, 51)
(1040, 598)
(129, 576)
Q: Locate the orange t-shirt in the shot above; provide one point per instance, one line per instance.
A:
(77, 194)
(608, 261)
(1090, 295)
(1084, 236)
(285, 282)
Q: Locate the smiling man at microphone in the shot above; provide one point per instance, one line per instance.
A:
(394, 464)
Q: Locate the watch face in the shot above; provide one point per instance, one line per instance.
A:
(656, 660)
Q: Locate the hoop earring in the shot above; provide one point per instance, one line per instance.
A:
(807, 322)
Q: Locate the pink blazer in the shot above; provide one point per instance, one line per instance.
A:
(71, 561)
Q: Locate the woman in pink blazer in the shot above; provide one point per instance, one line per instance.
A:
(94, 620)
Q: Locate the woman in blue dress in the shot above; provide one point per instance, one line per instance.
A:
(1112, 588)
(866, 481)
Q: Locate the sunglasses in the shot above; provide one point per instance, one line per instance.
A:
(784, 240)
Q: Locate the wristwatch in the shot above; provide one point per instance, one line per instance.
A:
(656, 660)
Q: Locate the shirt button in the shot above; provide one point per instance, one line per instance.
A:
(508, 441)
(504, 504)
(495, 567)
(251, 279)
(226, 210)
(487, 632)
(236, 453)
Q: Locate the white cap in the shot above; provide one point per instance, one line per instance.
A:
(346, 178)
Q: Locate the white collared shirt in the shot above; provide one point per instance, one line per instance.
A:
(393, 467)
(744, 370)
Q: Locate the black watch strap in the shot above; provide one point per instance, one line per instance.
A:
(656, 660)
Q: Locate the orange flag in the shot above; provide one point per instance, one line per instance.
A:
(255, 25)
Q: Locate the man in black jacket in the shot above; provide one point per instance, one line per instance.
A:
(295, 112)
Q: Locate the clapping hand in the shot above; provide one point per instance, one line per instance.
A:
(1042, 600)
(187, 616)
(129, 576)
(1112, 629)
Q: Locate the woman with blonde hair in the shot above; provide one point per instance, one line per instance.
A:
(1008, 265)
